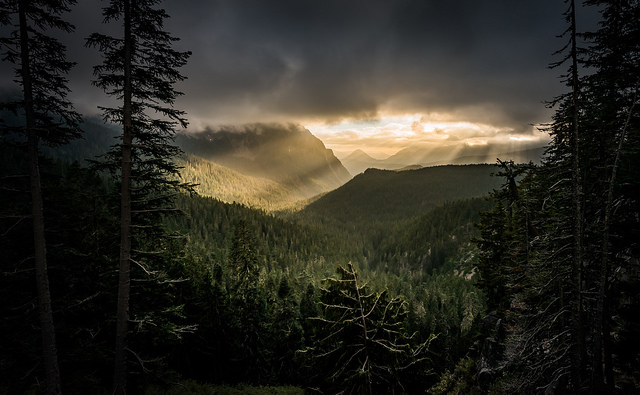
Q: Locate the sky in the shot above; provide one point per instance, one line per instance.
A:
(377, 75)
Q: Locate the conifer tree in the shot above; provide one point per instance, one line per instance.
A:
(567, 127)
(493, 260)
(584, 215)
(243, 260)
(46, 116)
(248, 300)
(362, 345)
(139, 69)
(558, 294)
(613, 115)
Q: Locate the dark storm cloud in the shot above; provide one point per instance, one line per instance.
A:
(486, 61)
(286, 60)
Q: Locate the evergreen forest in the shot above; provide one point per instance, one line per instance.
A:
(130, 266)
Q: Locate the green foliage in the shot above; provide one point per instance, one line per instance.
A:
(462, 381)
(81, 231)
(551, 242)
(362, 346)
(402, 194)
(424, 243)
(451, 306)
(236, 335)
(227, 185)
(243, 261)
(235, 299)
(493, 260)
(279, 244)
(53, 118)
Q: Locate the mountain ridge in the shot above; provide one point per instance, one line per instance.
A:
(388, 195)
(423, 156)
(288, 154)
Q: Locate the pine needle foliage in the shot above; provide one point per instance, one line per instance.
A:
(139, 70)
(362, 345)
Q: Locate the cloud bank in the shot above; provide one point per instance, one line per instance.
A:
(334, 61)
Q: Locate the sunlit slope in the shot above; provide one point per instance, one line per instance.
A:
(288, 154)
(230, 186)
(267, 167)
(385, 195)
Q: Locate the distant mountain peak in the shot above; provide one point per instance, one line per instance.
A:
(359, 155)
(435, 155)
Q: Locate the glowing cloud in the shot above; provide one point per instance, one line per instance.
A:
(388, 134)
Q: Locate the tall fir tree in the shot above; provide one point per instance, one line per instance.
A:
(586, 217)
(613, 120)
(140, 69)
(47, 116)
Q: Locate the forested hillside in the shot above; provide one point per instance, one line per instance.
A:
(229, 186)
(288, 154)
(269, 181)
(428, 242)
(198, 309)
(123, 273)
(386, 195)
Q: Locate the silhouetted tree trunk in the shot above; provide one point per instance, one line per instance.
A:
(612, 90)
(576, 202)
(124, 278)
(139, 69)
(45, 116)
(602, 338)
(40, 250)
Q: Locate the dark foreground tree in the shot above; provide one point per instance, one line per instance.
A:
(45, 115)
(572, 313)
(614, 120)
(362, 346)
(139, 69)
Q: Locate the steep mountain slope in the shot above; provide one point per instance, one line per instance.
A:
(383, 195)
(261, 166)
(229, 186)
(287, 154)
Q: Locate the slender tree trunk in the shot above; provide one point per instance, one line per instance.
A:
(576, 197)
(606, 344)
(602, 339)
(124, 281)
(50, 353)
